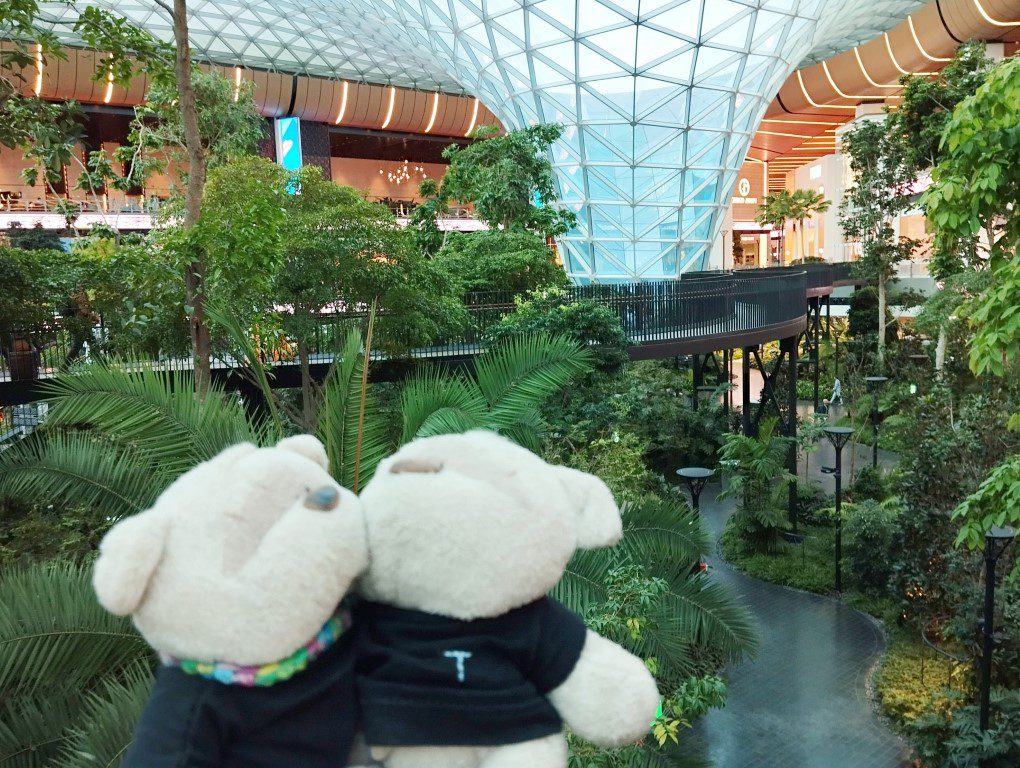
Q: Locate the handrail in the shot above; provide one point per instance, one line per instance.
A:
(661, 318)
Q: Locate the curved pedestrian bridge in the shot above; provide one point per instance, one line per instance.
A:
(701, 312)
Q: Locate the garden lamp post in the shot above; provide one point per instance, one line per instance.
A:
(874, 384)
(838, 436)
(696, 478)
(996, 542)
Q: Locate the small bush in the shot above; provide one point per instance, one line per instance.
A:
(869, 528)
(945, 738)
(869, 483)
(904, 693)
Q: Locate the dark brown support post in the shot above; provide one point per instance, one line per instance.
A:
(745, 392)
(791, 425)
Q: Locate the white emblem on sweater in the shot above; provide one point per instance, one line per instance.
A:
(461, 657)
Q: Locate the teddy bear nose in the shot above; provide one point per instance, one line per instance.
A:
(323, 499)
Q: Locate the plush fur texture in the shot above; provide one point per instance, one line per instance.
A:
(594, 703)
(472, 526)
(241, 560)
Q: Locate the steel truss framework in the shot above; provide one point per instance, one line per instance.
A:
(659, 98)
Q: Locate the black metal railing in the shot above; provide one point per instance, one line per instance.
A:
(698, 305)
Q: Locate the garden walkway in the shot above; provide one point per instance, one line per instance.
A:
(803, 701)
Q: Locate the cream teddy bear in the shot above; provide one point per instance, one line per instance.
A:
(236, 576)
(465, 662)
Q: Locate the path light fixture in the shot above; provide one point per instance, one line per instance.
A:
(838, 436)
(696, 478)
(997, 540)
(874, 384)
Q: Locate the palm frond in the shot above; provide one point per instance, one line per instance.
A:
(157, 412)
(527, 431)
(517, 375)
(432, 403)
(583, 582)
(34, 726)
(339, 417)
(706, 613)
(104, 729)
(663, 532)
(84, 468)
(244, 351)
(53, 632)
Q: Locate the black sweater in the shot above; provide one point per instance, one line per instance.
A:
(425, 679)
(307, 721)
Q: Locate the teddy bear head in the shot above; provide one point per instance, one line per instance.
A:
(473, 525)
(241, 560)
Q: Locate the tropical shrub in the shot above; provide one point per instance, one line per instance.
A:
(869, 528)
(868, 483)
(760, 484)
(498, 260)
(72, 675)
(586, 322)
(950, 738)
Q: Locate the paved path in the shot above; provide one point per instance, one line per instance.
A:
(802, 702)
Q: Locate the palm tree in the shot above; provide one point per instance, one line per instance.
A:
(775, 210)
(804, 205)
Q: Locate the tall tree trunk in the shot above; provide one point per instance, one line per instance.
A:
(194, 272)
(940, 351)
(881, 323)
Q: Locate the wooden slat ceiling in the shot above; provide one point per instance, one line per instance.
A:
(801, 122)
(335, 102)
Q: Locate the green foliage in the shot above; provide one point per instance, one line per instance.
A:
(61, 655)
(995, 347)
(350, 424)
(950, 738)
(32, 282)
(617, 459)
(228, 121)
(510, 381)
(760, 482)
(113, 440)
(587, 322)
(499, 260)
(869, 484)
(862, 318)
(869, 527)
(975, 186)
(807, 566)
(905, 694)
(996, 502)
(501, 176)
(33, 238)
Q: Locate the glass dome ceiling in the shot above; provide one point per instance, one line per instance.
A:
(660, 98)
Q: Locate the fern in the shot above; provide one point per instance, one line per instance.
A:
(34, 727)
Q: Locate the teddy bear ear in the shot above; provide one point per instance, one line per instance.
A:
(307, 446)
(598, 518)
(128, 556)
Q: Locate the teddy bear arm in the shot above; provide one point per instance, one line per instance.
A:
(610, 698)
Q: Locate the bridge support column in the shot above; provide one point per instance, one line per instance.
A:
(791, 421)
(745, 392)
